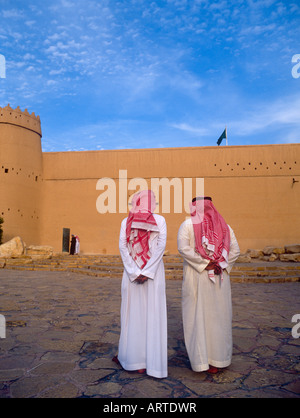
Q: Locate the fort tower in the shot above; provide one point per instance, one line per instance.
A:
(20, 174)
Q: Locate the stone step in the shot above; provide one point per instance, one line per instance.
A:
(111, 266)
(169, 275)
(237, 271)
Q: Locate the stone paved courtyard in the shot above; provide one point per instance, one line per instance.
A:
(62, 331)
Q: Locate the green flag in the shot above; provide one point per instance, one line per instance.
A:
(224, 135)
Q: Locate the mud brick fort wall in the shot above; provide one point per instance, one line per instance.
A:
(256, 188)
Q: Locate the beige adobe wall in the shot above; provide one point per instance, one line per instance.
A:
(256, 188)
(20, 174)
(252, 186)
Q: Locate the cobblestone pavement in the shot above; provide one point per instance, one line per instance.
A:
(62, 331)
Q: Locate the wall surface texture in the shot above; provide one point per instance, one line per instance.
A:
(252, 186)
(256, 188)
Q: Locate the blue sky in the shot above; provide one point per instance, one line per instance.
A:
(115, 74)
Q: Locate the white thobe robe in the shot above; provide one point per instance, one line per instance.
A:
(143, 338)
(206, 306)
(77, 246)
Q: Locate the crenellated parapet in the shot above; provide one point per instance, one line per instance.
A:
(11, 116)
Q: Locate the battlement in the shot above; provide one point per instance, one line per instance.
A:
(19, 118)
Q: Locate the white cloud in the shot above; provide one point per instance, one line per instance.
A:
(57, 72)
(282, 113)
(28, 57)
(190, 129)
(12, 14)
(30, 23)
(66, 3)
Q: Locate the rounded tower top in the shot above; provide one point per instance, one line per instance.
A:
(19, 118)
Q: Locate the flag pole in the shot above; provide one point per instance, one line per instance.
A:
(226, 134)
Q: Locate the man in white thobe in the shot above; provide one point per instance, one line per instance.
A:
(143, 338)
(77, 245)
(206, 291)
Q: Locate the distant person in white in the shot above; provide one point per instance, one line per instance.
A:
(209, 249)
(143, 338)
(77, 245)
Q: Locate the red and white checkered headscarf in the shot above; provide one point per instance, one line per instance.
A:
(212, 236)
(140, 225)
